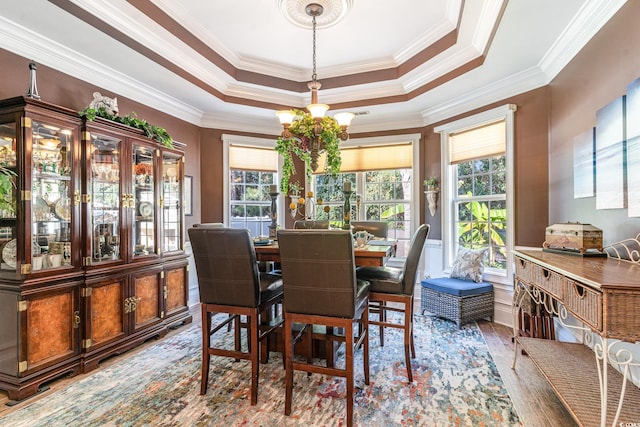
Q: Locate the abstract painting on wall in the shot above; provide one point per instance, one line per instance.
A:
(633, 148)
(610, 161)
(584, 164)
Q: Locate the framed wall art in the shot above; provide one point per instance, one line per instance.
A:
(584, 164)
(610, 141)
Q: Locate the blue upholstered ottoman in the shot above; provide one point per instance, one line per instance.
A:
(459, 300)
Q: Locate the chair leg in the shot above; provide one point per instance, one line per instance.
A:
(206, 328)
(255, 352)
(410, 314)
(309, 342)
(288, 354)
(365, 345)
(383, 318)
(238, 342)
(349, 345)
(407, 342)
(329, 348)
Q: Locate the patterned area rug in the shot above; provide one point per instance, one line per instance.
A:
(456, 383)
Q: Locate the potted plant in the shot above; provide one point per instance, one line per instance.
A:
(7, 197)
(303, 129)
(431, 184)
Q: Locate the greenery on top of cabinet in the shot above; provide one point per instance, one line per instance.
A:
(154, 132)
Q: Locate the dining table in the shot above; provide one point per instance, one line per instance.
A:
(375, 253)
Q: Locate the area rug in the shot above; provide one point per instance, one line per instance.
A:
(456, 383)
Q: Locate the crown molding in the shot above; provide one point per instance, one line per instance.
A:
(425, 40)
(230, 122)
(591, 17)
(25, 42)
(512, 85)
(439, 66)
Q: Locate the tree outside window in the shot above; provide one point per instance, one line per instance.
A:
(250, 202)
(481, 214)
(385, 195)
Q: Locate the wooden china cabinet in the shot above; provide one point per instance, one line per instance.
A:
(92, 242)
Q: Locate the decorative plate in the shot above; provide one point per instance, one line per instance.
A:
(63, 209)
(41, 210)
(9, 253)
(146, 209)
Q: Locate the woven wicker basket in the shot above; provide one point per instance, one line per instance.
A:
(459, 309)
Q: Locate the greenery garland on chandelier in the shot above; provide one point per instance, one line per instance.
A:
(151, 131)
(303, 133)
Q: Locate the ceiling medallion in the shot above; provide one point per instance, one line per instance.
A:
(333, 12)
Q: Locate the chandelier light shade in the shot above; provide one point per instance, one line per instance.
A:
(308, 134)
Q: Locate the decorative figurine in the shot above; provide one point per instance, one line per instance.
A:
(32, 91)
(109, 104)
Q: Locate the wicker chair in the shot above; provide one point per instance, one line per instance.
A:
(229, 282)
(320, 288)
(396, 285)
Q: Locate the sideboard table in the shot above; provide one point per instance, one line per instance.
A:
(602, 293)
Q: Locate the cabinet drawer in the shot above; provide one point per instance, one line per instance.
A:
(550, 281)
(524, 270)
(584, 302)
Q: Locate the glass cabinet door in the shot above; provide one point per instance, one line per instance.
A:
(8, 174)
(144, 221)
(172, 199)
(52, 200)
(104, 189)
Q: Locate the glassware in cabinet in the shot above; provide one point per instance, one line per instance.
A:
(52, 200)
(172, 201)
(106, 197)
(144, 220)
(8, 185)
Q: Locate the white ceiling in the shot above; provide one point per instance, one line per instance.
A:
(117, 45)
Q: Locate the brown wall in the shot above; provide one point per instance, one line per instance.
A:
(531, 204)
(61, 89)
(595, 77)
(204, 146)
(530, 156)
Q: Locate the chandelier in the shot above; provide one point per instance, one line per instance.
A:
(311, 133)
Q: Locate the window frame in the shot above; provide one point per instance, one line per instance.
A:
(246, 141)
(416, 190)
(449, 187)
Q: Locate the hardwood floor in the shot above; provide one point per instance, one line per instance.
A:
(535, 401)
(532, 396)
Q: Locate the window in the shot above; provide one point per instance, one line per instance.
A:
(477, 187)
(386, 192)
(480, 208)
(251, 166)
(381, 172)
(249, 201)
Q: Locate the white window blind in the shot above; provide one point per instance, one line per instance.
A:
(478, 143)
(253, 158)
(379, 157)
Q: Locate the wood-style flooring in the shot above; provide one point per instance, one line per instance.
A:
(532, 396)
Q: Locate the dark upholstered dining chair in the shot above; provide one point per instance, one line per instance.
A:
(377, 228)
(396, 285)
(311, 224)
(229, 282)
(209, 225)
(320, 288)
